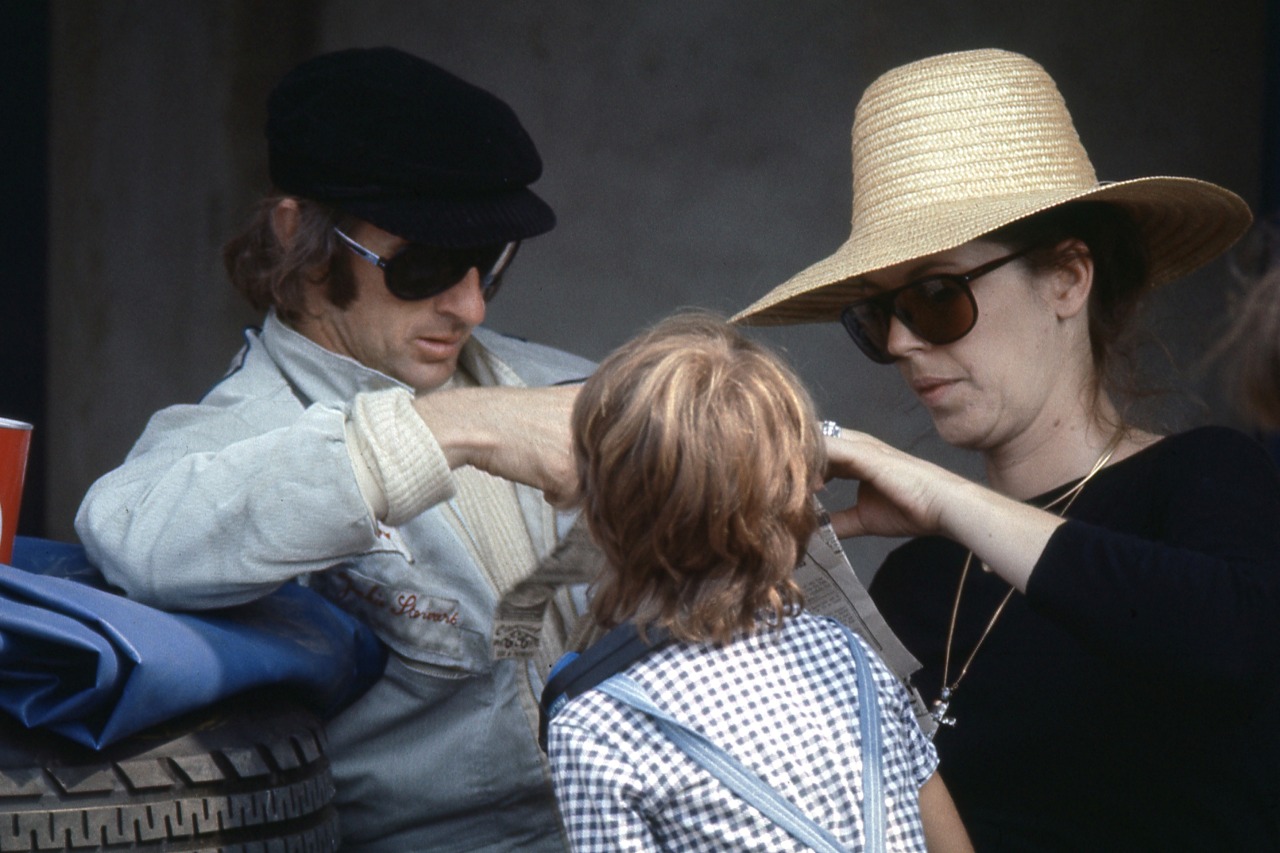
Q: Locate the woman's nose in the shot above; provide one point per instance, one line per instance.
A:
(901, 340)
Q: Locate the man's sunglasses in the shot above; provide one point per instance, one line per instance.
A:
(939, 309)
(420, 272)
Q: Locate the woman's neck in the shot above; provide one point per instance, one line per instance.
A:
(1061, 451)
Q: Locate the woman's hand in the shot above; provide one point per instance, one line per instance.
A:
(902, 495)
(898, 494)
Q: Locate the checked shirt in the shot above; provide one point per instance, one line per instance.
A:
(784, 702)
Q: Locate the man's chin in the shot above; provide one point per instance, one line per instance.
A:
(427, 378)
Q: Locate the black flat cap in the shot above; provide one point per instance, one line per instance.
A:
(401, 143)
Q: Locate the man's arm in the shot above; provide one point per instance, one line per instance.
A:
(210, 511)
(520, 434)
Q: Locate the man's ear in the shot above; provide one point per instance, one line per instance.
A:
(1072, 278)
(285, 217)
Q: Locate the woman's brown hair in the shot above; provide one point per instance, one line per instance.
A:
(697, 452)
(272, 275)
(1120, 279)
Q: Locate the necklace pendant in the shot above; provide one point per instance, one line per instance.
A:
(940, 706)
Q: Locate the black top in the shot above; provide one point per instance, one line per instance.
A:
(1131, 699)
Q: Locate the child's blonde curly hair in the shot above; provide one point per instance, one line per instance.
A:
(698, 452)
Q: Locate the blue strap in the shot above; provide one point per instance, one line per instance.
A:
(736, 776)
(873, 819)
(575, 674)
(746, 784)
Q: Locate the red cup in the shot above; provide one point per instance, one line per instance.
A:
(15, 443)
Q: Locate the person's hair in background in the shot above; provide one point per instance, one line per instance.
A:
(1251, 346)
(698, 452)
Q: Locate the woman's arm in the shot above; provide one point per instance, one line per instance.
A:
(902, 495)
(1190, 594)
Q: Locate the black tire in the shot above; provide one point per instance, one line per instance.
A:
(249, 775)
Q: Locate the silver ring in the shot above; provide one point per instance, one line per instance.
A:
(830, 428)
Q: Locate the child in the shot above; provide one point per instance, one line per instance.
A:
(698, 452)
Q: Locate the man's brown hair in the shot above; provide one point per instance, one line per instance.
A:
(698, 452)
(272, 275)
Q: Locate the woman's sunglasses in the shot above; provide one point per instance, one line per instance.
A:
(420, 272)
(939, 309)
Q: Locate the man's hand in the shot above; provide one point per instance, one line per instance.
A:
(520, 434)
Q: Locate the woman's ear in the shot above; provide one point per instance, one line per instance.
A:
(284, 220)
(1072, 278)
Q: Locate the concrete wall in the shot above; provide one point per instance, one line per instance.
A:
(697, 153)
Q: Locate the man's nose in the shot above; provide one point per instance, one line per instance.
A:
(465, 300)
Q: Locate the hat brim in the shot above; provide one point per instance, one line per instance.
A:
(457, 223)
(1184, 222)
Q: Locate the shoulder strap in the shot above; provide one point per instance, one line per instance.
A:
(746, 784)
(873, 817)
(575, 674)
(736, 776)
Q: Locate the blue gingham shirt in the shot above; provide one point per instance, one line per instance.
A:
(784, 702)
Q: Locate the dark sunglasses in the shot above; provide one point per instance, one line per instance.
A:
(420, 272)
(939, 309)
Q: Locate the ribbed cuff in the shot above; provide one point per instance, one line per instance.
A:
(399, 465)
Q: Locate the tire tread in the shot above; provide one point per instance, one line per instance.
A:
(225, 781)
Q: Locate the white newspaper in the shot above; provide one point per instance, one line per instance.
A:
(830, 586)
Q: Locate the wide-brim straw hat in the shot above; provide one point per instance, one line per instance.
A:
(953, 147)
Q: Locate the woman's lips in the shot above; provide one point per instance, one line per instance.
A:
(931, 390)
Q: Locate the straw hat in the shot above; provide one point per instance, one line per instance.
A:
(952, 147)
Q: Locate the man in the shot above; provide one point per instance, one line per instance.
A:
(366, 441)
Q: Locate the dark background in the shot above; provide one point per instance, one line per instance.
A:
(697, 153)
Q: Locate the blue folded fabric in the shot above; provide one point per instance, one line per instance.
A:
(80, 660)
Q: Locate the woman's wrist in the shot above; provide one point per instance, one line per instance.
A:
(1008, 536)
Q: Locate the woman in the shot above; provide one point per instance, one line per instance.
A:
(698, 453)
(1100, 623)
